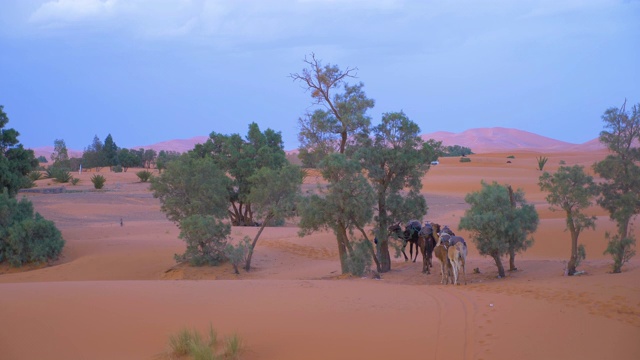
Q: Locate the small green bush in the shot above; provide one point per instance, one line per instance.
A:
(35, 175)
(98, 181)
(465, 160)
(117, 169)
(190, 343)
(75, 181)
(144, 175)
(58, 174)
(511, 157)
(206, 239)
(562, 162)
(25, 236)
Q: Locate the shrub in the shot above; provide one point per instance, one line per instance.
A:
(144, 175)
(360, 261)
(25, 236)
(511, 157)
(206, 239)
(190, 343)
(238, 254)
(75, 181)
(98, 181)
(542, 161)
(562, 162)
(58, 174)
(621, 250)
(35, 175)
(465, 160)
(117, 168)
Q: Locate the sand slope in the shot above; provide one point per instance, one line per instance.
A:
(117, 293)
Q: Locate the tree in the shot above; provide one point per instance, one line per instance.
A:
(500, 222)
(193, 194)
(571, 190)
(164, 157)
(456, 150)
(345, 206)
(621, 172)
(110, 150)
(16, 162)
(395, 161)
(129, 158)
(344, 113)
(242, 158)
(274, 195)
(327, 130)
(94, 156)
(60, 155)
(148, 157)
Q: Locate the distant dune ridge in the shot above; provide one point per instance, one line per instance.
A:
(480, 140)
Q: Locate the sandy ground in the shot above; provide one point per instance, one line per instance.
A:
(117, 293)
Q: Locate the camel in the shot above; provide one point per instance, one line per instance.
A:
(441, 254)
(427, 243)
(409, 235)
(457, 254)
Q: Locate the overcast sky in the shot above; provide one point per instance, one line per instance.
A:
(147, 71)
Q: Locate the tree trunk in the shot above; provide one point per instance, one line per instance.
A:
(247, 265)
(512, 260)
(498, 261)
(385, 257)
(342, 249)
(571, 267)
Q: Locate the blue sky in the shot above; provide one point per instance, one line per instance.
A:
(147, 71)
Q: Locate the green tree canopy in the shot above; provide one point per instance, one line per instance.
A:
(343, 113)
(241, 159)
(621, 172)
(500, 221)
(571, 190)
(15, 161)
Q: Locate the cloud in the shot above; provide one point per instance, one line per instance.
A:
(70, 11)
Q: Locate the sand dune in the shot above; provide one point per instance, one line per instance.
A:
(117, 293)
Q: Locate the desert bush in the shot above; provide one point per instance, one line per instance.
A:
(465, 160)
(542, 161)
(58, 174)
(621, 250)
(98, 181)
(511, 157)
(190, 343)
(35, 175)
(206, 239)
(144, 175)
(75, 181)
(117, 168)
(25, 236)
(562, 162)
(238, 254)
(360, 261)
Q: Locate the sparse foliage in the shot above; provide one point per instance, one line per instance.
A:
(465, 159)
(456, 150)
(542, 161)
(60, 155)
(239, 253)
(206, 239)
(571, 190)
(621, 172)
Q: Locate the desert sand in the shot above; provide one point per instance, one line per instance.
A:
(117, 293)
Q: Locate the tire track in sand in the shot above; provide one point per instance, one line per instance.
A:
(455, 324)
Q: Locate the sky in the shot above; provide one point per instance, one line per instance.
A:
(147, 71)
